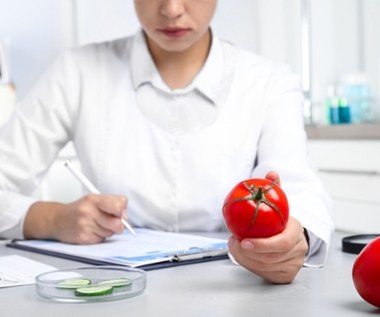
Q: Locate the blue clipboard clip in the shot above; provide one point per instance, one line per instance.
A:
(200, 254)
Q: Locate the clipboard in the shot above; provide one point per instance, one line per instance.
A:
(149, 250)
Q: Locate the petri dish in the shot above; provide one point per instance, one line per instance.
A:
(91, 284)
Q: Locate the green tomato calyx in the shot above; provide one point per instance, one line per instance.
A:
(257, 195)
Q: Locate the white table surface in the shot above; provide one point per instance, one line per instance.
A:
(217, 288)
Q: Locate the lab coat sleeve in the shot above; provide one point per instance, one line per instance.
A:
(283, 148)
(30, 141)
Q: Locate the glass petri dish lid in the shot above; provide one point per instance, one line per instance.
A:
(91, 284)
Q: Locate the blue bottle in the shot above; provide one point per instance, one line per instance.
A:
(333, 110)
(344, 111)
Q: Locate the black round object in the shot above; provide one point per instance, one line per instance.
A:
(356, 243)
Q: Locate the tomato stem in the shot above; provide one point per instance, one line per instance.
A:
(258, 196)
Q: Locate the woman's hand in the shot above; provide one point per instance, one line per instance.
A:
(278, 258)
(88, 220)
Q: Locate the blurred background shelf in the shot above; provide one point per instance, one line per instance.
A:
(365, 131)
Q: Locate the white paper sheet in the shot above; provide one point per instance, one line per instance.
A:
(17, 270)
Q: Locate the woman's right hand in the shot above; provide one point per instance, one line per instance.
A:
(91, 219)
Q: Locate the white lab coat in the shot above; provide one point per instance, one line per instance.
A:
(174, 181)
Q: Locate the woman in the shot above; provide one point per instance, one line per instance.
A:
(166, 121)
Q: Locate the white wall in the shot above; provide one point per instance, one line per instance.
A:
(106, 20)
(37, 31)
(335, 42)
(343, 46)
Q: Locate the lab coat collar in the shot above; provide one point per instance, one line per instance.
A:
(207, 82)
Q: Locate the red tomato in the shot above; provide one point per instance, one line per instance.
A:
(256, 208)
(366, 272)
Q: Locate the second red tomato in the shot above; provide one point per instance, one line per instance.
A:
(366, 273)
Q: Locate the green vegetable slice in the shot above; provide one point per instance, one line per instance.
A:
(74, 283)
(117, 282)
(94, 291)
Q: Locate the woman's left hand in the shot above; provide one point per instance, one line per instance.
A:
(278, 258)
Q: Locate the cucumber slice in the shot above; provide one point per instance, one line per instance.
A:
(116, 282)
(74, 283)
(94, 291)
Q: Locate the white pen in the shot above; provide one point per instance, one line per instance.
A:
(92, 189)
